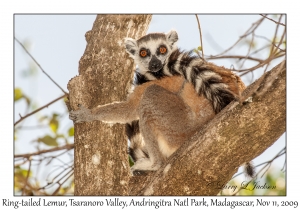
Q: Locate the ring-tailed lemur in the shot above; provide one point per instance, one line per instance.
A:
(176, 94)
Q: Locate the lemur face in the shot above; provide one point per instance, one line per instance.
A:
(153, 54)
(151, 51)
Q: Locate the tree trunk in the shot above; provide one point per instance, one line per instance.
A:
(101, 161)
(238, 134)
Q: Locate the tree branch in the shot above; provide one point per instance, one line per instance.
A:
(282, 152)
(68, 147)
(235, 57)
(265, 16)
(39, 109)
(199, 27)
(272, 43)
(268, 164)
(236, 135)
(27, 176)
(253, 27)
(40, 66)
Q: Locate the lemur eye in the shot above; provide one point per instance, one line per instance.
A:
(162, 50)
(143, 53)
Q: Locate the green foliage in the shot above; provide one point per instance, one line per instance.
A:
(18, 94)
(71, 131)
(54, 138)
(48, 140)
(69, 189)
(131, 163)
(276, 40)
(53, 123)
(20, 178)
(29, 183)
(21, 172)
(198, 50)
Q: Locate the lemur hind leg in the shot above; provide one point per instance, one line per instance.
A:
(164, 124)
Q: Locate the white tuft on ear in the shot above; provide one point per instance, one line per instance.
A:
(130, 46)
(172, 37)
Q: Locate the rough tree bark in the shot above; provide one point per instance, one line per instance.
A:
(238, 134)
(101, 161)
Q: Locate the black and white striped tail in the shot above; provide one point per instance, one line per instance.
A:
(194, 70)
(249, 170)
(136, 149)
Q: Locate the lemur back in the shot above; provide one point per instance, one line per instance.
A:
(161, 59)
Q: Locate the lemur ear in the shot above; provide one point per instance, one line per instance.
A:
(131, 46)
(172, 37)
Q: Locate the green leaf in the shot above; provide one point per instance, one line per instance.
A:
(20, 175)
(53, 123)
(21, 172)
(60, 136)
(71, 131)
(48, 140)
(54, 115)
(18, 94)
(66, 99)
(131, 163)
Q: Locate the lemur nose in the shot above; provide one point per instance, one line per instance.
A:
(155, 65)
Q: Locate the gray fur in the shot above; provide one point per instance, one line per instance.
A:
(162, 135)
(172, 38)
(131, 47)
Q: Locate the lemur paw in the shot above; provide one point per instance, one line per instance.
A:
(140, 173)
(81, 115)
(143, 166)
